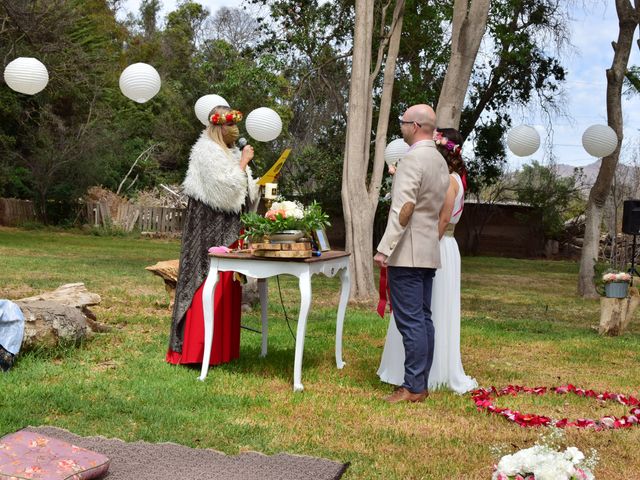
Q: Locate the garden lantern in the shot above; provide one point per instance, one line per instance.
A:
(26, 75)
(395, 150)
(205, 104)
(523, 140)
(264, 124)
(140, 82)
(599, 140)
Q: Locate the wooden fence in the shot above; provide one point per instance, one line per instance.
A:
(14, 211)
(127, 216)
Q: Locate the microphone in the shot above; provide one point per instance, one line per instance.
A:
(242, 142)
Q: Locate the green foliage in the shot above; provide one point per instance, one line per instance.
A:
(257, 226)
(551, 195)
(490, 159)
(81, 131)
(313, 173)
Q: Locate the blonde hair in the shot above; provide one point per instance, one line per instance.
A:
(215, 131)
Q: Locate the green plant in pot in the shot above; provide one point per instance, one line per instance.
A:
(285, 220)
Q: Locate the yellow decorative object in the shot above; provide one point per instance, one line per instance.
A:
(273, 172)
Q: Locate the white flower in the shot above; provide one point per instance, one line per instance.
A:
(509, 465)
(574, 455)
(291, 209)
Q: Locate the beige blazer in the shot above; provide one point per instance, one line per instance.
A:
(417, 195)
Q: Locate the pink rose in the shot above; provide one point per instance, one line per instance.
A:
(273, 214)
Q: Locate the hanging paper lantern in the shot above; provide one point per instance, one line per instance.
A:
(395, 150)
(205, 104)
(26, 75)
(523, 140)
(599, 140)
(140, 82)
(263, 124)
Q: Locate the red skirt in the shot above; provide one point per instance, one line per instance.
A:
(226, 328)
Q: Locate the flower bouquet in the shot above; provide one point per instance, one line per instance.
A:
(545, 461)
(616, 277)
(616, 284)
(284, 216)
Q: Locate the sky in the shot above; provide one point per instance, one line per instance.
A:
(591, 32)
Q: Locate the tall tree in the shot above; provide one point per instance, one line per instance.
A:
(469, 24)
(628, 17)
(360, 195)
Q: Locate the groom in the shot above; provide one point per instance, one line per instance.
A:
(410, 250)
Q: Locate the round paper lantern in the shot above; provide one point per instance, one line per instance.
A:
(523, 140)
(26, 75)
(599, 140)
(140, 82)
(263, 124)
(395, 150)
(205, 104)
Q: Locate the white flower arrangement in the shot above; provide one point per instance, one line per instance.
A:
(288, 209)
(544, 461)
(616, 277)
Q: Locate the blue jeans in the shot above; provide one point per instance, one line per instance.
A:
(410, 291)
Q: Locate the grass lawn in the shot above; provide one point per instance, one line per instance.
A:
(522, 324)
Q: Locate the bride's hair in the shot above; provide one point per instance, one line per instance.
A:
(449, 143)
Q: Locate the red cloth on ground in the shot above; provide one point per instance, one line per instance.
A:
(226, 328)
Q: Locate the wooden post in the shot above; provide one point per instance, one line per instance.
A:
(616, 313)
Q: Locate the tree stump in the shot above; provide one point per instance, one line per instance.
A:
(616, 313)
(59, 317)
(168, 271)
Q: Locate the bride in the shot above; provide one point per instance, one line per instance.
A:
(446, 370)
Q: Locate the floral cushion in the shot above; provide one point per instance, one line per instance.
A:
(35, 456)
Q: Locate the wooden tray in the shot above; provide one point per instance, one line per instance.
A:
(281, 246)
(282, 250)
(282, 253)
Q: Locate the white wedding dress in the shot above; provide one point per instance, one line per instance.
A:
(446, 370)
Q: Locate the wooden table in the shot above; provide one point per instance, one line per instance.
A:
(330, 263)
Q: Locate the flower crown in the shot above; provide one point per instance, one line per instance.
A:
(230, 118)
(450, 145)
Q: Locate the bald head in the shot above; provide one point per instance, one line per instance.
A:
(423, 124)
(422, 114)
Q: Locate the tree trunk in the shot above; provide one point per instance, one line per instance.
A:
(59, 317)
(359, 199)
(589, 253)
(469, 25)
(617, 313)
(356, 153)
(628, 21)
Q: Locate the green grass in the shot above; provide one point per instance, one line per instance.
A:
(522, 324)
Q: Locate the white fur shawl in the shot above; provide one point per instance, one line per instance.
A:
(215, 177)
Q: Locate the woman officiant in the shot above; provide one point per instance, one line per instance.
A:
(220, 188)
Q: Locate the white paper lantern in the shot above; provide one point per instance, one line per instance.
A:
(395, 150)
(263, 124)
(140, 82)
(26, 75)
(523, 140)
(599, 140)
(205, 104)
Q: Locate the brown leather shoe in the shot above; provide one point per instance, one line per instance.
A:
(401, 394)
